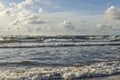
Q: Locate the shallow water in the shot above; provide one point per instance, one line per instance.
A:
(61, 55)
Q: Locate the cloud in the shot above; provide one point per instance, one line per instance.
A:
(14, 23)
(41, 10)
(67, 25)
(112, 13)
(37, 21)
(23, 15)
(104, 26)
(13, 8)
(24, 3)
(1, 5)
(27, 16)
(108, 29)
(26, 19)
(6, 12)
(20, 19)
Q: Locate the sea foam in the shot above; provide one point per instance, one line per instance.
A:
(61, 73)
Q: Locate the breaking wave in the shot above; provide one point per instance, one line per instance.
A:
(61, 73)
(58, 41)
(57, 44)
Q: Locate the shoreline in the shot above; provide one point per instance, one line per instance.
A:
(111, 77)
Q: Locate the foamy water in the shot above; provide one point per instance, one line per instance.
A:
(60, 73)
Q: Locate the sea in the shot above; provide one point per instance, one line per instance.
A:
(61, 57)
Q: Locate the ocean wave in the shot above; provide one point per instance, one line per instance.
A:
(18, 63)
(31, 63)
(57, 44)
(68, 38)
(61, 73)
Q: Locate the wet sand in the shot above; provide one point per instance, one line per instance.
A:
(113, 77)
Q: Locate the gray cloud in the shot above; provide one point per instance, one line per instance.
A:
(35, 22)
(67, 25)
(109, 29)
(104, 26)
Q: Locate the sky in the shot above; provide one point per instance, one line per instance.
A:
(59, 17)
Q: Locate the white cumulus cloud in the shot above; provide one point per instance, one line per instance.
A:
(24, 3)
(112, 13)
